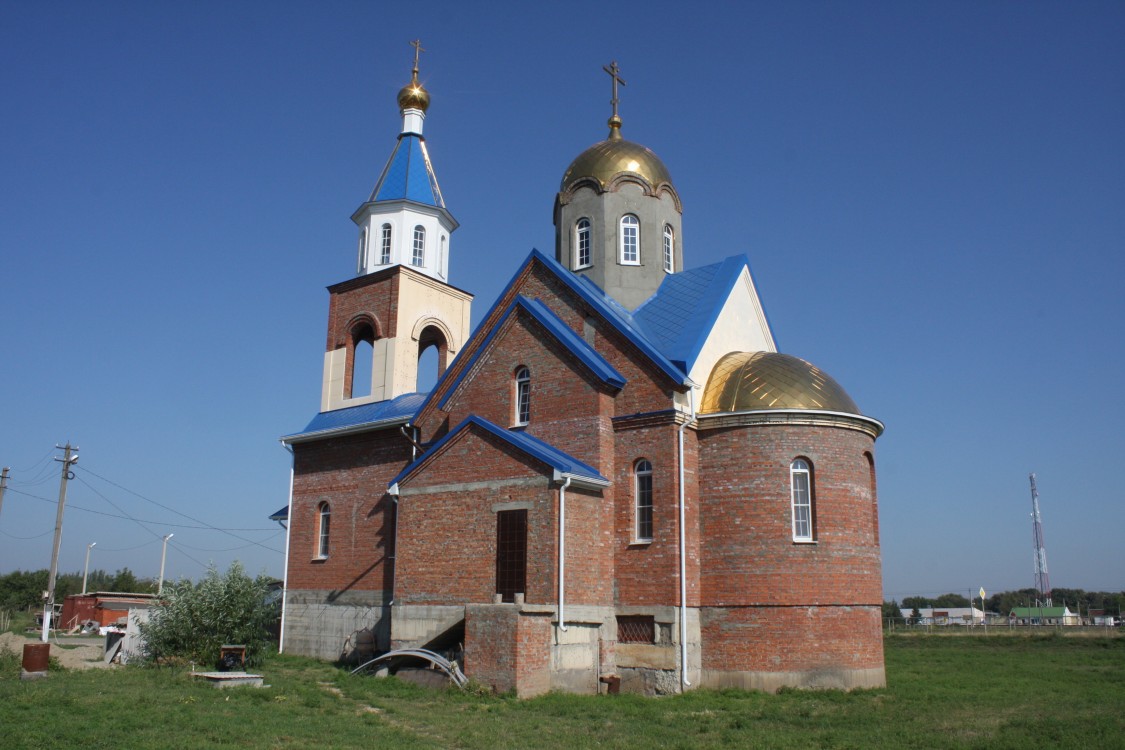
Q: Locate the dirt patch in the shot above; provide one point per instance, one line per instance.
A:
(83, 654)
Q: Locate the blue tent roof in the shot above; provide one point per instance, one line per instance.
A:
(561, 462)
(400, 409)
(561, 332)
(409, 175)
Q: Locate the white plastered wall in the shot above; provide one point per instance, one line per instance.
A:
(740, 326)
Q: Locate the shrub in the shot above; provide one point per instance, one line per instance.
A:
(192, 621)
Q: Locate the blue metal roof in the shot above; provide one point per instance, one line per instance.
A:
(409, 174)
(612, 311)
(562, 333)
(546, 453)
(679, 317)
(281, 515)
(402, 408)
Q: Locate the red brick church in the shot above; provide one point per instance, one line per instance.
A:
(616, 476)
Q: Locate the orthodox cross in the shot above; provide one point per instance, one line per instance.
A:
(418, 48)
(614, 73)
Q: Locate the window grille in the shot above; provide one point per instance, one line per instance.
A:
(636, 629)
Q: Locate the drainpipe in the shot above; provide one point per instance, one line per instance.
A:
(393, 492)
(285, 574)
(683, 550)
(562, 553)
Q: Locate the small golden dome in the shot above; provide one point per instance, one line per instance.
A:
(748, 381)
(606, 159)
(414, 96)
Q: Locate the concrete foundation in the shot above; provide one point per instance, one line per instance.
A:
(336, 627)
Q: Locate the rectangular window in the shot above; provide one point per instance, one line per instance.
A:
(630, 240)
(511, 553)
(643, 472)
(636, 629)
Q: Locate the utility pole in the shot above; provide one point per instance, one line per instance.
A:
(3, 485)
(1042, 579)
(86, 570)
(163, 553)
(68, 460)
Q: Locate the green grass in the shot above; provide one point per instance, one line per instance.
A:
(956, 692)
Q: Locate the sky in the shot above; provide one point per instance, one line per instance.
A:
(931, 195)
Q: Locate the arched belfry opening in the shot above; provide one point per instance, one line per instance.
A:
(361, 360)
(433, 357)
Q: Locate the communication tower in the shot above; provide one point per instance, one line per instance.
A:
(1042, 580)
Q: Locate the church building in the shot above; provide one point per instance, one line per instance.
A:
(617, 479)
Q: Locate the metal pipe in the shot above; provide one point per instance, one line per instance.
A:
(285, 572)
(86, 571)
(683, 549)
(562, 553)
(163, 554)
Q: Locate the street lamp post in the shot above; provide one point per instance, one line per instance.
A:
(163, 553)
(86, 572)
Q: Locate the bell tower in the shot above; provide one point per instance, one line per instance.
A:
(400, 303)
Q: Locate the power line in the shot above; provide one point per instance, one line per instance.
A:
(36, 536)
(178, 513)
(130, 518)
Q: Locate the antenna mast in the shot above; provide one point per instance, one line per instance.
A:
(1042, 580)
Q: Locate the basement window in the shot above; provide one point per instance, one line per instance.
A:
(636, 629)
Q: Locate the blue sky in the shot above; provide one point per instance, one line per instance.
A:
(932, 197)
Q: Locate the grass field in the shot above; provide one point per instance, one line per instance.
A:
(951, 692)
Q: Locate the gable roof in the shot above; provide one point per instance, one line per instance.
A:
(560, 331)
(680, 315)
(563, 464)
(408, 174)
(375, 415)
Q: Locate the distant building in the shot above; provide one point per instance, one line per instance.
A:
(950, 616)
(1043, 616)
(102, 607)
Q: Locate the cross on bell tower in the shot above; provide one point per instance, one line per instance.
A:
(615, 120)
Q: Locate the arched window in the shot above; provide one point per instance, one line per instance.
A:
(800, 484)
(669, 249)
(582, 243)
(642, 492)
(630, 240)
(362, 251)
(323, 521)
(874, 494)
(385, 245)
(419, 258)
(522, 404)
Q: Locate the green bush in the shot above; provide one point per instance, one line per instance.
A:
(192, 621)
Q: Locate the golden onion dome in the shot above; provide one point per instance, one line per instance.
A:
(606, 159)
(748, 381)
(413, 95)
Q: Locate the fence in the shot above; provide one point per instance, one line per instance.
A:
(997, 625)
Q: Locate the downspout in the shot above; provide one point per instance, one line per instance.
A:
(562, 553)
(285, 574)
(683, 549)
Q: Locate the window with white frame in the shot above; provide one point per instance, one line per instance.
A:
(362, 265)
(522, 409)
(419, 258)
(582, 243)
(800, 484)
(642, 490)
(385, 245)
(630, 251)
(669, 249)
(324, 519)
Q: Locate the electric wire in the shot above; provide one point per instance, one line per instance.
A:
(72, 506)
(87, 470)
(36, 536)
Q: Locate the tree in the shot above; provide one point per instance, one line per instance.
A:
(917, 602)
(951, 601)
(192, 621)
(891, 610)
(915, 617)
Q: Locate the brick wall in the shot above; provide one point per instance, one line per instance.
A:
(349, 473)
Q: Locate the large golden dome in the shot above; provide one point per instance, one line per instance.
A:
(606, 159)
(748, 381)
